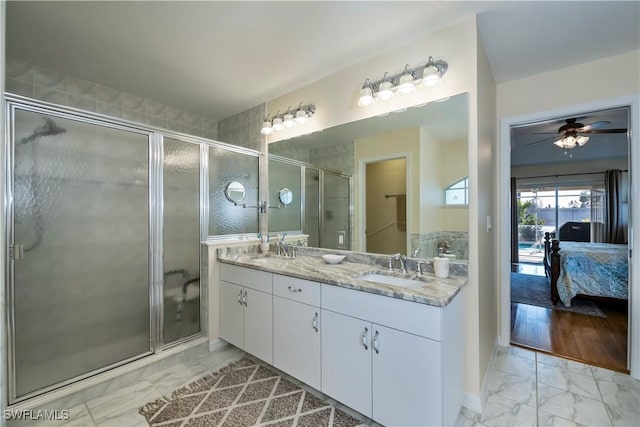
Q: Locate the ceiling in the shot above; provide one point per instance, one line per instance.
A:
(532, 143)
(220, 58)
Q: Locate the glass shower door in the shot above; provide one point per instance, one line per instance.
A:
(80, 237)
(335, 212)
(181, 239)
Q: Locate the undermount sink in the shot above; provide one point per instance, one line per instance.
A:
(393, 280)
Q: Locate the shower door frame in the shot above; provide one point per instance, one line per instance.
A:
(155, 250)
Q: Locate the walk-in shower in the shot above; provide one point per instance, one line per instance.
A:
(104, 224)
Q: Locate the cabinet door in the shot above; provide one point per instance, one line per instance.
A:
(346, 361)
(406, 378)
(258, 325)
(296, 340)
(231, 314)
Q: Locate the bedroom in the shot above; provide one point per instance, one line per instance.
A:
(572, 302)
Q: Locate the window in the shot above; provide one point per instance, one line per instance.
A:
(457, 193)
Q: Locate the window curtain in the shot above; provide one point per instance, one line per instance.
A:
(597, 215)
(614, 209)
(514, 222)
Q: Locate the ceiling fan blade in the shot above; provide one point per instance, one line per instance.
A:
(604, 131)
(595, 125)
(538, 142)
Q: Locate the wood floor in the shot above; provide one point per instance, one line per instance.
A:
(594, 340)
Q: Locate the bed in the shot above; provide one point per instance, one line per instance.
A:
(587, 269)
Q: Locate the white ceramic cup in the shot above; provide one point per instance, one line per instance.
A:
(441, 267)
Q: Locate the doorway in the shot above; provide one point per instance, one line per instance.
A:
(386, 206)
(508, 218)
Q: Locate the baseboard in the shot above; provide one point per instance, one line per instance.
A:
(217, 344)
(473, 401)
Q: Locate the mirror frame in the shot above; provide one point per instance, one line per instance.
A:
(228, 190)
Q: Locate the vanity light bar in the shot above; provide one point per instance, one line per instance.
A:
(406, 81)
(288, 119)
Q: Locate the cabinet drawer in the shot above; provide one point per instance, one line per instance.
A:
(249, 277)
(419, 319)
(300, 290)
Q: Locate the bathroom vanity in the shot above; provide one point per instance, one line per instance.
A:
(392, 353)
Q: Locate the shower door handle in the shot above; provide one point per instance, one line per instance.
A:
(16, 252)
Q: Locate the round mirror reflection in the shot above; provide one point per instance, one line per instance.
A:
(285, 195)
(235, 192)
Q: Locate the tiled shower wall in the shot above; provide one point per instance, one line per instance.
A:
(337, 157)
(51, 86)
(243, 129)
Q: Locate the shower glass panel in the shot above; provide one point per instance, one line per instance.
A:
(181, 239)
(335, 212)
(226, 166)
(285, 218)
(80, 232)
(312, 206)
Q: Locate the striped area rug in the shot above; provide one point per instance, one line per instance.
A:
(244, 393)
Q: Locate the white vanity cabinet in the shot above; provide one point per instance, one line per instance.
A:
(246, 310)
(296, 328)
(385, 357)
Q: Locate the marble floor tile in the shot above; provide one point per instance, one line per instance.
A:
(522, 352)
(176, 376)
(620, 395)
(623, 417)
(563, 379)
(218, 359)
(572, 406)
(546, 419)
(129, 418)
(113, 405)
(515, 365)
(616, 377)
(514, 387)
(566, 364)
(500, 411)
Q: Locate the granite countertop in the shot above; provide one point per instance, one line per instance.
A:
(437, 292)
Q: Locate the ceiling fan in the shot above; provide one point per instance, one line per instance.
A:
(573, 133)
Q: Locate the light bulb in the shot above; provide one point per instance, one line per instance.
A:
(570, 141)
(266, 128)
(301, 116)
(430, 76)
(288, 120)
(385, 92)
(277, 124)
(366, 97)
(582, 139)
(405, 84)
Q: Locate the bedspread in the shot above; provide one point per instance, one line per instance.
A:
(595, 269)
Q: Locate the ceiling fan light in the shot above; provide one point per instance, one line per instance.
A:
(559, 143)
(582, 139)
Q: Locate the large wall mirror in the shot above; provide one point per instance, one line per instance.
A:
(402, 165)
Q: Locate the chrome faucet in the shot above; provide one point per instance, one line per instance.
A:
(416, 251)
(403, 263)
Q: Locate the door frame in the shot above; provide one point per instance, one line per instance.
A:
(362, 198)
(504, 216)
